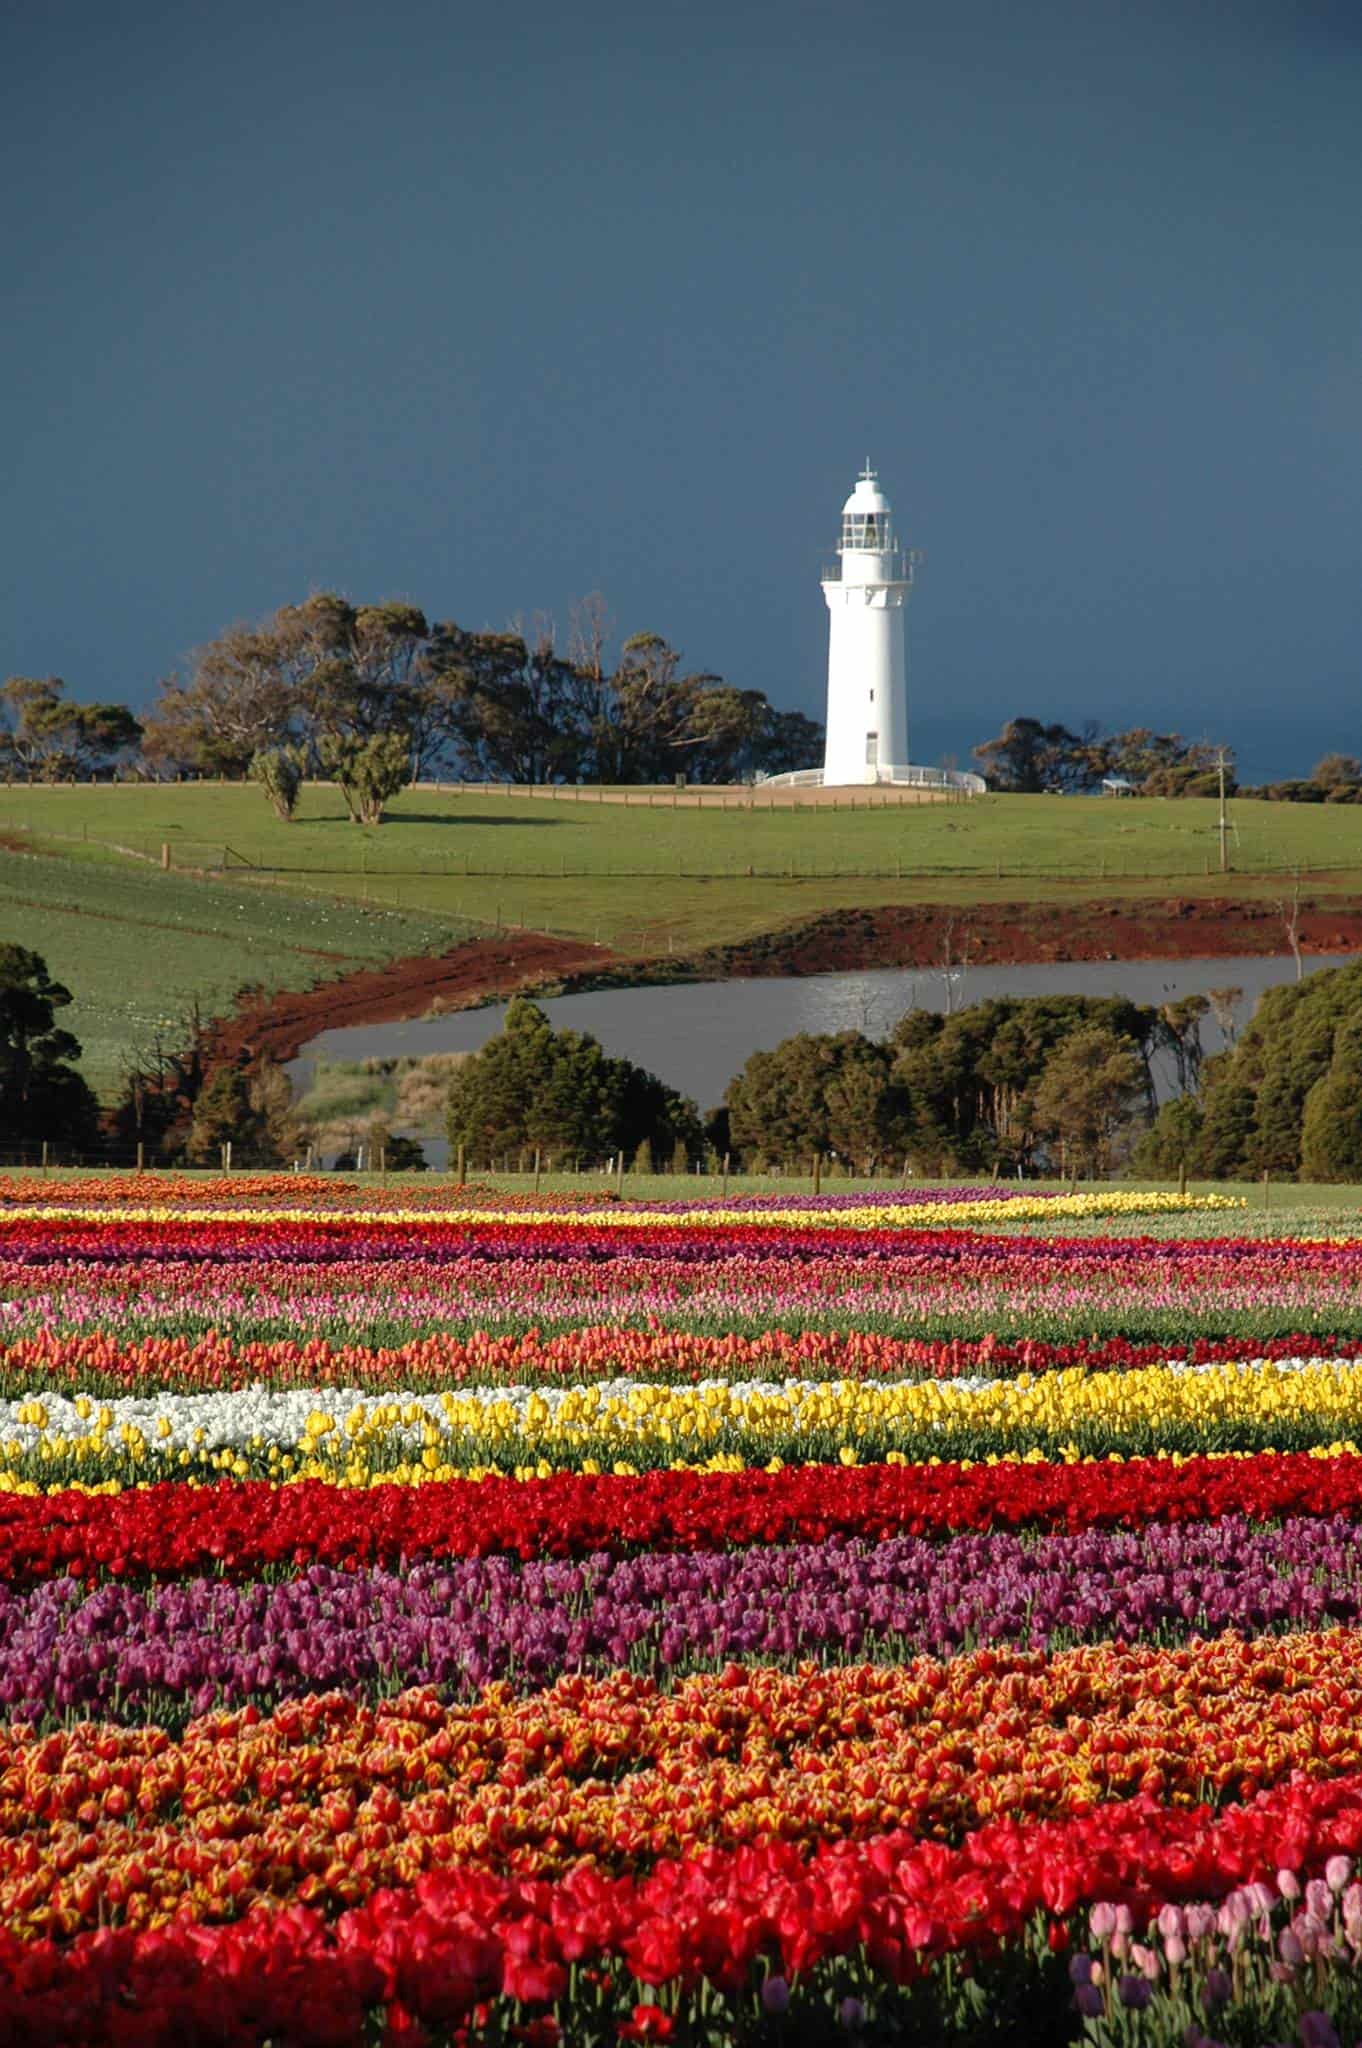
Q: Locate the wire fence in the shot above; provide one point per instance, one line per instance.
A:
(384, 863)
(48, 1161)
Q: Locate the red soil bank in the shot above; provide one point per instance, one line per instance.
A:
(1014, 934)
(840, 941)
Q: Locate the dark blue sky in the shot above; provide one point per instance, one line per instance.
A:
(494, 306)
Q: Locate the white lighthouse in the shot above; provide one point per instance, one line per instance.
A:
(867, 595)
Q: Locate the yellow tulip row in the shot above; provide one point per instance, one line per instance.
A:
(1253, 1404)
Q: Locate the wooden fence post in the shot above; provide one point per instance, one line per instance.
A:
(536, 1169)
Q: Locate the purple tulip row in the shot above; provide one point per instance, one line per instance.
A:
(115, 1648)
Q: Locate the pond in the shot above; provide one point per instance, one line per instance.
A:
(697, 1035)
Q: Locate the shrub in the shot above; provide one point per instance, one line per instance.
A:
(279, 771)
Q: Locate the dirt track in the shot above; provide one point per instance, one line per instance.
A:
(282, 1024)
(925, 936)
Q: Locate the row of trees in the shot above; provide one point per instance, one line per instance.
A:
(1337, 779)
(45, 737)
(1029, 756)
(361, 693)
(1058, 1084)
(530, 1088)
(376, 695)
(1046, 1083)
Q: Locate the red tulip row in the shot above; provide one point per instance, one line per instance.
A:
(244, 1527)
(95, 1362)
(487, 1235)
(429, 1955)
(247, 1191)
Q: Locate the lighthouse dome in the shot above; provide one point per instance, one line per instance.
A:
(867, 499)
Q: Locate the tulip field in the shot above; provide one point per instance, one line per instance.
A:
(434, 1617)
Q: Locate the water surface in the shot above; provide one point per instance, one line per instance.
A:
(697, 1035)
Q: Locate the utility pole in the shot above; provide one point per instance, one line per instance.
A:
(1220, 764)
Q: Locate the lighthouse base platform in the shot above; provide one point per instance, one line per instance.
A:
(959, 783)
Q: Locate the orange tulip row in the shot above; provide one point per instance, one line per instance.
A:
(324, 1799)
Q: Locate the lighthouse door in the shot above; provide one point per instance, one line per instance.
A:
(872, 750)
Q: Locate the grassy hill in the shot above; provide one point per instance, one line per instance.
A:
(249, 899)
(138, 948)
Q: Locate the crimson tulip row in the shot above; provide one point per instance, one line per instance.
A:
(326, 1239)
(243, 1528)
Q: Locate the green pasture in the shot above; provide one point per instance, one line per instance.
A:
(138, 948)
(655, 874)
